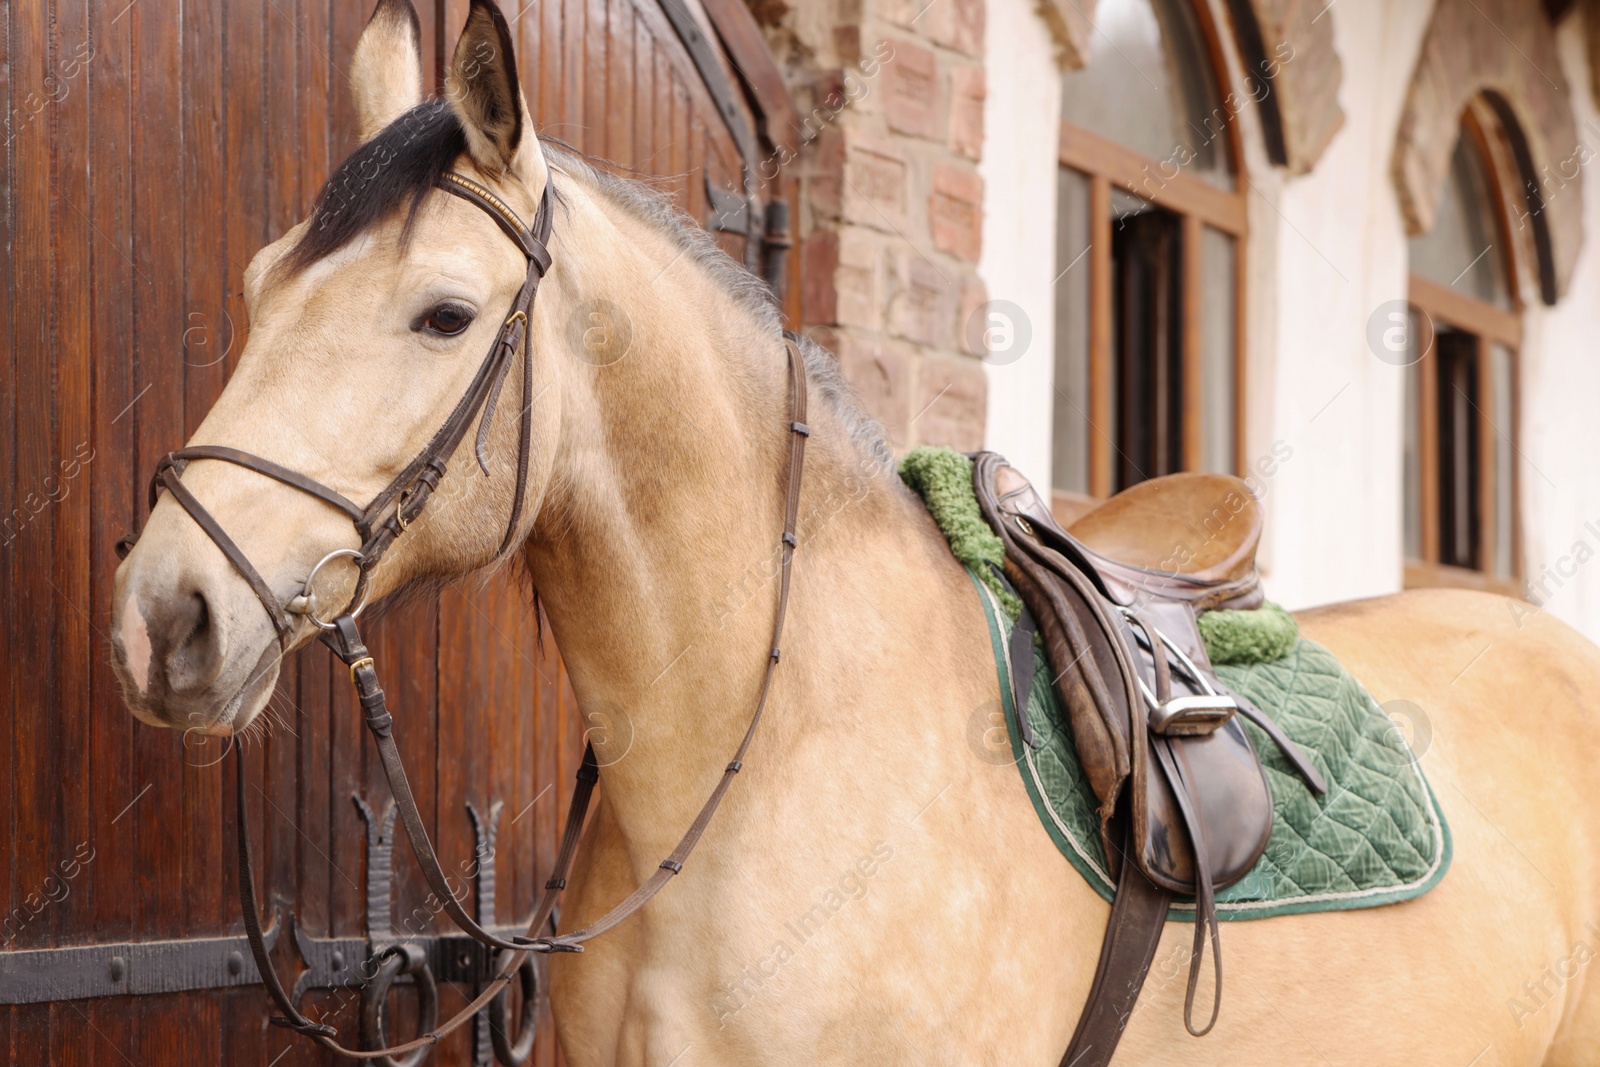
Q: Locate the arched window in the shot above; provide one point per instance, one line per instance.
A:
(1460, 483)
(1151, 222)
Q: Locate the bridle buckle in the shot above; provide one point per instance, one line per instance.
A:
(364, 661)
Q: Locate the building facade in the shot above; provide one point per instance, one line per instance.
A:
(1341, 250)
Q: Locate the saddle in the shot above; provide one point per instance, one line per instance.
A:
(1184, 804)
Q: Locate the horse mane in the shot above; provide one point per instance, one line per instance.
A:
(399, 167)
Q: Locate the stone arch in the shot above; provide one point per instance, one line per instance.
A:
(1503, 54)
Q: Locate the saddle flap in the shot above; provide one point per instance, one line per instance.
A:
(1229, 797)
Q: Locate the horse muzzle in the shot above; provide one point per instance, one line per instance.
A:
(190, 644)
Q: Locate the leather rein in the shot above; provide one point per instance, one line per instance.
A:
(378, 525)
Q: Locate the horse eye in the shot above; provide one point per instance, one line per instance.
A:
(446, 320)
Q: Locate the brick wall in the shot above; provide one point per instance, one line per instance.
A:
(891, 205)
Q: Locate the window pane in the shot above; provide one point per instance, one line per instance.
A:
(1457, 353)
(1217, 392)
(1504, 426)
(1070, 461)
(1146, 340)
(1412, 421)
(1463, 248)
(1149, 85)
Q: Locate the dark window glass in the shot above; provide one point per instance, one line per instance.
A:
(1459, 543)
(1146, 340)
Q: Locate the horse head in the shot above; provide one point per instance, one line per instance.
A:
(369, 321)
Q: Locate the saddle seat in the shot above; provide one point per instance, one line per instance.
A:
(1202, 526)
(1187, 539)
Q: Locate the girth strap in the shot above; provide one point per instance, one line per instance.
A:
(1132, 935)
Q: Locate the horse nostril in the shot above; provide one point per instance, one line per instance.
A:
(195, 658)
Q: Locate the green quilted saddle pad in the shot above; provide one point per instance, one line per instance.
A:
(1376, 837)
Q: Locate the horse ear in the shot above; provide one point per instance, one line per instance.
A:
(386, 73)
(483, 91)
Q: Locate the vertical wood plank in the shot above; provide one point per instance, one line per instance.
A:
(73, 418)
(324, 871)
(431, 15)
(9, 516)
(70, 1039)
(698, 168)
(108, 881)
(240, 231)
(177, 1029)
(571, 128)
(35, 722)
(30, 1031)
(678, 161)
(619, 71)
(204, 179)
(474, 649)
(549, 14)
(345, 23)
(595, 37)
(158, 235)
(645, 126)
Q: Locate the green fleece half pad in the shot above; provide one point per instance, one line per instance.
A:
(942, 477)
(1376, 837)
(1260, 636)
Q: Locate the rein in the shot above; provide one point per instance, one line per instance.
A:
(378, 525)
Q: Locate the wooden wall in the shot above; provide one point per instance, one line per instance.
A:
(152, 147)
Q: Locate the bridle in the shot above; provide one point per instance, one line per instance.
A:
(399, 503)
(378, 525)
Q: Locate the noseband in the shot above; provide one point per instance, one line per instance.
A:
(378, 525)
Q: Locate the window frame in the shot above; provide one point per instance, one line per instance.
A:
(1489, 325)
(1198, 204)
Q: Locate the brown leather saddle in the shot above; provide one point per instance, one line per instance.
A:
(1184, 804)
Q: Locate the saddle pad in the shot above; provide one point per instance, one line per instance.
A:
(1377, 837)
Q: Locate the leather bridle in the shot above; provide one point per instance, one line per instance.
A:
(378, 525)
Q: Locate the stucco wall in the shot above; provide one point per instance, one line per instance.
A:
(1561, 389)
(1021, 125)
(1335, 247)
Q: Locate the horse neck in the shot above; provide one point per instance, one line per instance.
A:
(658, 555)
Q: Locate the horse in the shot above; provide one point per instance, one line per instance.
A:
(874, 889)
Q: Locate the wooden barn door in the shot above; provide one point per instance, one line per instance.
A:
(151, 148)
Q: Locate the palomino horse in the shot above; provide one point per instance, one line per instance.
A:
(872, 890)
